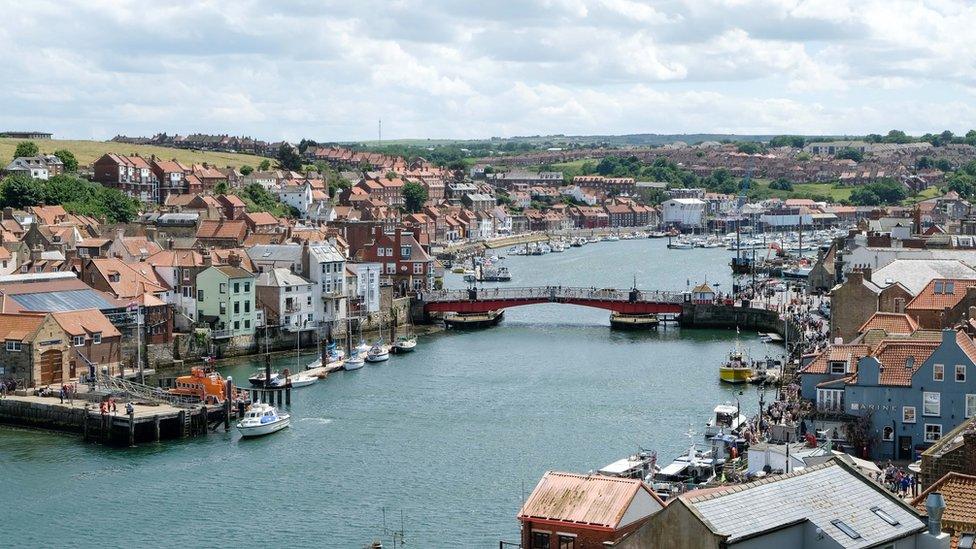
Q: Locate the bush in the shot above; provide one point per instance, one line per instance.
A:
(781, 184)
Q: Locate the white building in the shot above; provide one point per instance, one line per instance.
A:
(684, 212)
(326, 267)
(368, 285)
(37, 167)
(287, 298)
(298, 196)
(579, 195)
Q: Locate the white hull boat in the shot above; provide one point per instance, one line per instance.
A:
(378, 353)
(262, 419)
(405, 345)
(354, 362)
(302, 379)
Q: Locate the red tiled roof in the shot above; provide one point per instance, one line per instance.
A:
(892, 323)
(959, 491)
(836, 353)
(223, 229)
(261, 218)
(927, 299)
(893, 356)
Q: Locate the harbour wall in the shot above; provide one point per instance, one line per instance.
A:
(697, 315)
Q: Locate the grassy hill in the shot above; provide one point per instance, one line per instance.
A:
(88, 151)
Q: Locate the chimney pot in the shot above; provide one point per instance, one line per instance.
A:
(935, 505)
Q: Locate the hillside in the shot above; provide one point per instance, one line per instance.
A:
(88, 151)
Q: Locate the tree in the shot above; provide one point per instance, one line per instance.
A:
(749, 147)
(265, 165)
(68, 159)
(116, 206)
(880, 192)
(64, 188)
(246, 170)
(795, 141)
(221, 188)
(849, 154)
(943, 164)
(414, 196)
(19, 191)
(863, 196)
(781, 184)
(288, 158)
(26, 148)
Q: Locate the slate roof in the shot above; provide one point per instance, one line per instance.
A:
(324, 253)
(275, 252)
(581, 499)
(819, 494)
(915, 274)
(280, 278)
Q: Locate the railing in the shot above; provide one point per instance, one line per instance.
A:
(221, 334)
(142, 392)
(550, 293)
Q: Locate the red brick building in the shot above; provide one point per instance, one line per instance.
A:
(406, 265)
(570, 511)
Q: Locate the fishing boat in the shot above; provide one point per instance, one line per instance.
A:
(354, 362)
(209, 388)
(378, 353)
(638, 465)
(302, 379)
(726, 418)
(404, 344)
(681, 245)
(687, 472)
(262, 419)
(736, 369)
(258, 380)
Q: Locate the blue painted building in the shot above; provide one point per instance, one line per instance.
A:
(912, 390)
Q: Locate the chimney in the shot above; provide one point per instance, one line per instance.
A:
(8, 213)
(36, 252)
(935, 505)
(207, 258)
(233, 259)
(170, 243)
(867, 273)
(119, 233)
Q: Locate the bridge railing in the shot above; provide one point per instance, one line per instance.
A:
(548, 293)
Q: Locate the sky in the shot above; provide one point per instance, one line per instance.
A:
(330, 70)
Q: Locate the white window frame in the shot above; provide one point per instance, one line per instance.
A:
(14, 346)
(830, 400)
(842, 364)
(904, 414)
(963, 371)
(938, 372)
(96, 338)
(78, 341)
(938, 398)
(926, 432)
(890, 433)
(970, 400)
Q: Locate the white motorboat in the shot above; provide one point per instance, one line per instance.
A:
(378, 353)
(681, 245)
(277, 380)
(687, 472)
(726, 419)
(302, 379)
(405, 344)
(262, 419)
(317, 363)
(354, 362)
(638, 466)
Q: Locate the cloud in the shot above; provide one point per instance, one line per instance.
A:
(441, 68)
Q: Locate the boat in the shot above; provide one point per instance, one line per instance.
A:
(624, 321)
(638, 466)
(317, 363)
(354, 362)
(302, 379)
(766, 371)
(657, 234)
(680, 245)
(736, 369)
(209, 388)
(473, 320)
(687, 472)
(404, 344)
(262, 419)
(458, 269)
(258, 380)
(492, 274)
(378, 353)
(726, 418)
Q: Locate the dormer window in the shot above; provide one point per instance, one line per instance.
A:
(838, 367)
(114, 277)
(96, 338)
(938, 287)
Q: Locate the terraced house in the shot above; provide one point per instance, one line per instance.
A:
(226, 301)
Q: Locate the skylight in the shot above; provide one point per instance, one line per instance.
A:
(885, 516)
(843, 527)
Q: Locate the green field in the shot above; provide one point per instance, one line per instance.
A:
(88, 151)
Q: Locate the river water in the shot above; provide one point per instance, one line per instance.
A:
(452, 436)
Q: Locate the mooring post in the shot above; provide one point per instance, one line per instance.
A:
(182, 420)
(227, 414)
(288, 397)
(132, 429)
(205, 418)
(156, 428)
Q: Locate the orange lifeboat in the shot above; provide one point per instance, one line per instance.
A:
(208, 387)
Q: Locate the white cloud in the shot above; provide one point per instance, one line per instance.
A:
(441, 68)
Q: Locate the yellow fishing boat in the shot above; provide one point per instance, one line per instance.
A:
(736, 369)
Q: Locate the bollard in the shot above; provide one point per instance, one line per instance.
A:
(132, 429)
(288, 397)
(156, 428)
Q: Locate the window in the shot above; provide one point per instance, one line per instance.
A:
(931, 404)
(78, 341)
(405, 252)
(844, 527)
(237, 324)
(13, 346)
(888, 433)
(938, 372)
(830, 400)
(391, 268)
(186, 291)
(418, 268)
(200, 295)
(247, 286)
(380, 252)
(933, 432)
(286, 320)
(389, 252)
(908, 414)
(950, 287)
(540, 540)
(961, 373)
(223, 308)
(970, 405)
(237, 287)
(223, 287)
(287, 288)
(838, 367)
(938, 287)
(96, 338)
(309, 318)
(237, 307)
(247, 306)
(885, 516)
(247, 324)
(567, 542)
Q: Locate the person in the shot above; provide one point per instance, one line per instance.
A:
(61, 393)
(3, 389)
(905, 483)
(128, 408)
(115, 407)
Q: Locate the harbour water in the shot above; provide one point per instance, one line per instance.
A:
(453, 435)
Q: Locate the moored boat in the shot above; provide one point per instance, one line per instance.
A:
(258, 380)
(302, 379)
(404, 344)
(638, 465)
(726, 418)
(209, 388)
(473, 320)
(354, 362)
(687, 472)
(378, 353)
(262, 419)
(736, 369)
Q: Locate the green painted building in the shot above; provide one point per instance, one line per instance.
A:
(226, 301)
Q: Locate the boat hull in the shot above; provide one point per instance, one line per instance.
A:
(353, 365)
(735, 375)
(480, 320)
(633, 322)
(252, 431)
(383, 357)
